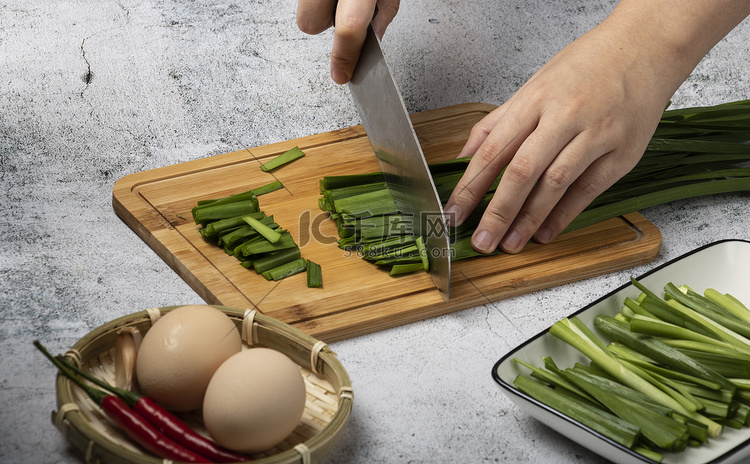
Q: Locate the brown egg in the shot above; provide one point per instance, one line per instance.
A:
(180, 353)
(254, 400)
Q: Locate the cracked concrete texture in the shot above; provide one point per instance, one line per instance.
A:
(91, 91)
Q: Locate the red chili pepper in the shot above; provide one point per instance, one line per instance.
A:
(165, 421)
(182, 434)
(144, 433)
(133, 424)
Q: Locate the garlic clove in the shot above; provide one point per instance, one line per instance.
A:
(127, 343)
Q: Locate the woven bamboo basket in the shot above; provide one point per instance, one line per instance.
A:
(329, 392)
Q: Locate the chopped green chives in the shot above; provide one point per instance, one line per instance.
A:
(285, 270)
(314, 275)
(249, 195)
(270, 234)
(275, 259)
(268, 188)
(231, 238)
(399, 269)
(212, 229)
(237, 224)
(215, 211)
(653, 375)
(598, 419)
(252, 248)
(284, 158)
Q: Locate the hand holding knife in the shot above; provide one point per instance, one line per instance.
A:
(398, 151)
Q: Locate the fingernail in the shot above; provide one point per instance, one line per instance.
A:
(512, 242)
(544, 235)
(453, 214)
(339, 76)
(482, 242)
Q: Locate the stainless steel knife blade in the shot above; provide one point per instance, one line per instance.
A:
(394, 141)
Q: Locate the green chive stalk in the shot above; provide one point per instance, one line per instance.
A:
(595, 350)
(283, 159)
(314, 275)
(606, 423)
(728, 302)
(285, 270)
(269, 233)
(276, 259)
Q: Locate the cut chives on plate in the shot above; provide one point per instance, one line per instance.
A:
(660, 373)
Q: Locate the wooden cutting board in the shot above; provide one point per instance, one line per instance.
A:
(357, 297)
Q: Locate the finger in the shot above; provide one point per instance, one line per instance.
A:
(563, 171)
(489, 157)
(387, 10)
(352, 19)
(315, 16)
(597, 178)
(519, 178)
(482, 129)
(485, 166)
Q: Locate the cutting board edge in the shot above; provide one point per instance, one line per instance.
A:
(646, 248)
(192, 275)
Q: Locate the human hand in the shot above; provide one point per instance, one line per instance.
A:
(578, 125)
(352, 18)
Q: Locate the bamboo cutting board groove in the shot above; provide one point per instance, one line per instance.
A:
(357, 297)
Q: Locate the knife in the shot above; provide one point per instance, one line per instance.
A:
(394, 141)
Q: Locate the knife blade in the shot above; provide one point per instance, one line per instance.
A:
(394, 141)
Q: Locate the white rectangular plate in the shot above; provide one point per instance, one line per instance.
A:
(724, 266)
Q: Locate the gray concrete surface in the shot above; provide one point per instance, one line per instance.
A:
(91, 91)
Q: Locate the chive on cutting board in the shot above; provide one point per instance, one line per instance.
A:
(356, 297)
